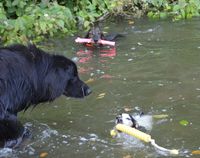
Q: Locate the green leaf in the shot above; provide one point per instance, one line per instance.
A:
(176, 8)
(150, 14)
(86, 24)
(61, 23)
(43, 26)
(163, 15)
(15, 2)
(184, 122)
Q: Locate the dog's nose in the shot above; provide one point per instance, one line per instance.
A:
(88, 91)
(95, 40)
(119, 119)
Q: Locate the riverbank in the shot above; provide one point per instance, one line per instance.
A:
(22, 21)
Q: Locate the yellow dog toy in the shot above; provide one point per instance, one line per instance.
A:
(140, 135)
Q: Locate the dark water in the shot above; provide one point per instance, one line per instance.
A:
(155, 68)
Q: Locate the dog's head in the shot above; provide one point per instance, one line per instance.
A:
(66, 75)
(126, 119)
(75, 86)
(95, 34)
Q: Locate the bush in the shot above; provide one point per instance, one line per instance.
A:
(34, 21)
(160, 9)
(177, 9)
(24, 20)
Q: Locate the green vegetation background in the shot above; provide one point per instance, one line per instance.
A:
(24, 20)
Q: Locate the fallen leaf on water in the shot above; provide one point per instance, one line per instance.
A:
(127, 156)
(43, 154)
(160, 116)
(89, 80)
(106, 76)
(101, 95)
(127, 109)
(130, 22)
(184, 122)
(196, 152)
(83, 70)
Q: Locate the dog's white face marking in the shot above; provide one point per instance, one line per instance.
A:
(136, 121)
(126, 119)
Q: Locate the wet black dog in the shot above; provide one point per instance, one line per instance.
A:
(29, 76)
(96, 34)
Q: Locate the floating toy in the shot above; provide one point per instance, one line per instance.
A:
(89, 40)
(140, 135)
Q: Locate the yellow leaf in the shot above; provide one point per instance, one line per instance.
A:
(43, 154)
(101, 95)
(160, 116)
(127, 156)
(130, 22)
(196, 152)
(127, 109)
(89, 80)
(106, 27)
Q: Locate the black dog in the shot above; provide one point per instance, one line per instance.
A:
(29, 76)
(96, 34)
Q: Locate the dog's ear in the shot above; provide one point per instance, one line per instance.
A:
(135, 125)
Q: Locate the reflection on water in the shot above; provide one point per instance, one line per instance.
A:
(155, 68)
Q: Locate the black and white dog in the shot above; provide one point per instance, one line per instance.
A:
(139, 121)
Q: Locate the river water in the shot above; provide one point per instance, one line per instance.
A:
(155, 68)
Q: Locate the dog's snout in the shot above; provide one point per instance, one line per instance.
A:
(96, 38)
(118, 119)
(88, 91)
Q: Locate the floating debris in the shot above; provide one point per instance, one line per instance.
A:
(101, 95)
(130, 22)
(160, 116)
(196, 152)
(184, 122)
(89, 80)
(43, 154)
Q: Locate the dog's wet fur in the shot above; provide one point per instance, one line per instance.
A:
(29, 76)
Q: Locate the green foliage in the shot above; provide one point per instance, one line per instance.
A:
(87, 11)
(23, 20)
(177, 9)
(15, 7)
(160, 9)
(184, 122)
